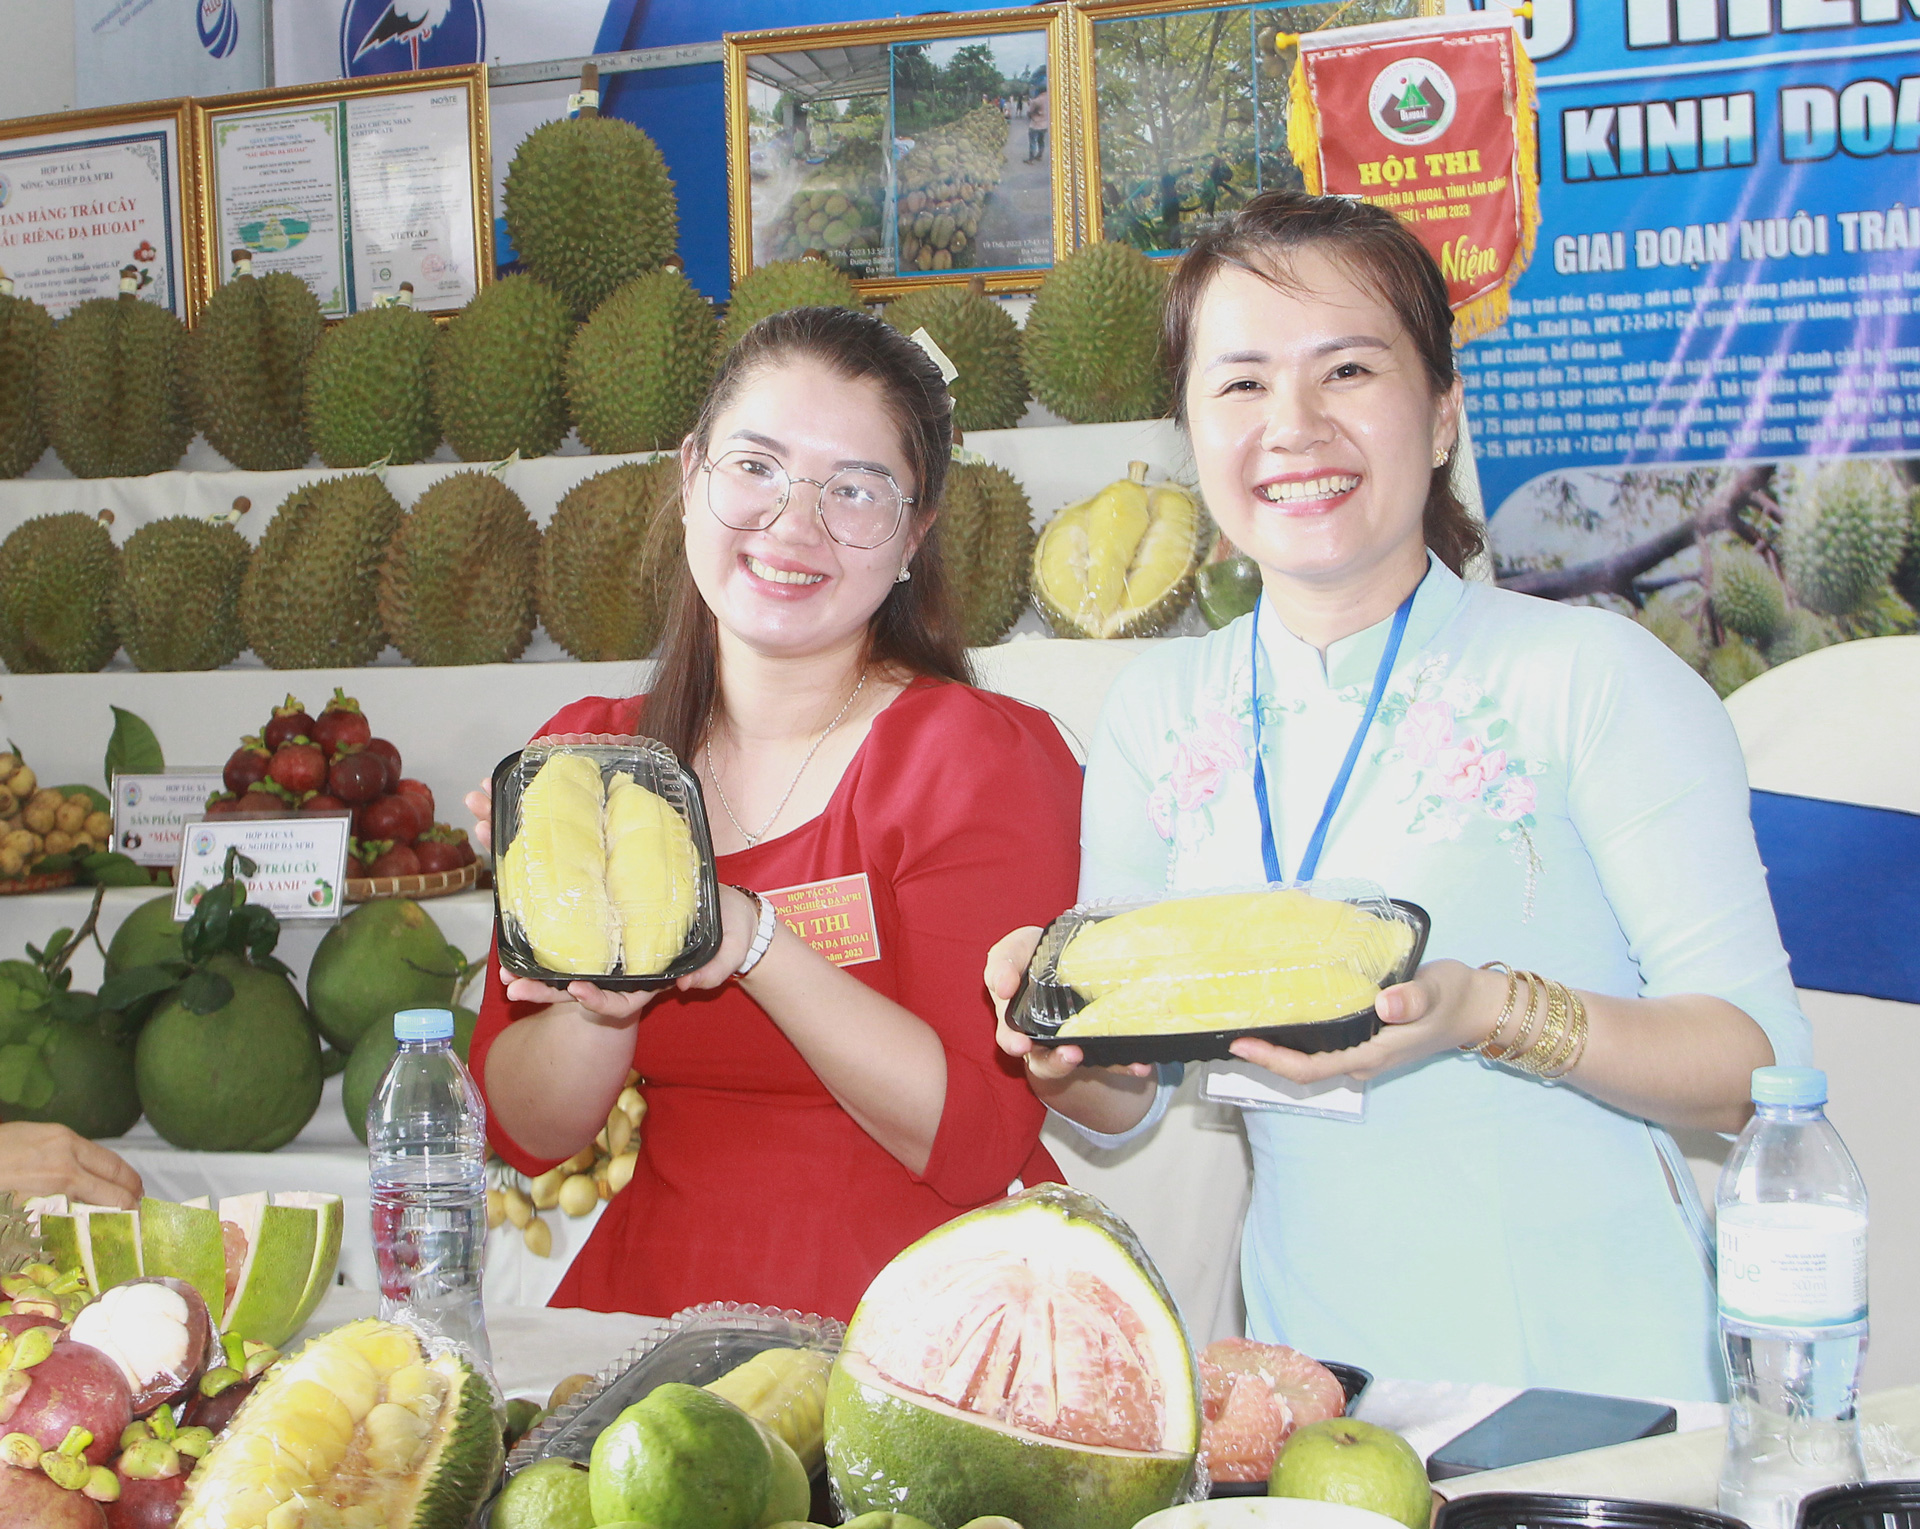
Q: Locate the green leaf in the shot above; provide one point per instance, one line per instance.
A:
(107, 868)
(25, 1081)
(258, 930)
(124, 989)
(205, 991)
(1496, 729)
(275, 964)
(133, 749)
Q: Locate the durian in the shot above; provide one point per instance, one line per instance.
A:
(1906, 578)
(608, 558)
(1677, 630)
(941, 188)
(1748, 596)
(247, 362)
(112, 394)
(590, 206)
(368, 395)
(553, 873)
(1732, 664)
(782, 285)
(310, 597)
(57, 574)
(986, 540)
(1803, 633)
(982, 341)
(639, 367)
(1092, 341)
(1884, 615)
(25, 332)
(1845, 530)
(651, 866)
(177, 605)
(1120, 564)
(499, 372)
(457, 583)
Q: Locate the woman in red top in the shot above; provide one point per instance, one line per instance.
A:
(827, 1089)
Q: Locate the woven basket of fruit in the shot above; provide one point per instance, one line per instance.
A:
(38, 881)
(363, 889)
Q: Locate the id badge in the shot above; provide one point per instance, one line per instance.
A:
(1247, 1087)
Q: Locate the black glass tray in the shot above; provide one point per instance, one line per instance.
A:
(1540, 1510)
(1353, 1380)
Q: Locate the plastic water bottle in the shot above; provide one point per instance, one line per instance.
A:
(427, 1158)
(1792, 1215)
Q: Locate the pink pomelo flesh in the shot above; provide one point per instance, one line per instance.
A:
(1060, 1355)
(1254, 1395)
(74, 1387)
(233, 1243)
(28, 1500)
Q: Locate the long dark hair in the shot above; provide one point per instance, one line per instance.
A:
(917, 629)
(1380, 251)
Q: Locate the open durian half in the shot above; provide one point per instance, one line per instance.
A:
(1121, 563)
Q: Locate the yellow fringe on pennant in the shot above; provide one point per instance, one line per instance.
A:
(1303, 126)
(1488, 312)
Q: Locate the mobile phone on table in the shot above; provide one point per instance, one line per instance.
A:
(1539, 1424)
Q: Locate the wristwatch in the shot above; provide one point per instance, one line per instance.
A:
(762, 933)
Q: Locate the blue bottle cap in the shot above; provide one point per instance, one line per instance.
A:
(1794, 1086)
(437, 1025)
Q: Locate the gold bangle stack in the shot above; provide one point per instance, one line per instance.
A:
(1550, 1036)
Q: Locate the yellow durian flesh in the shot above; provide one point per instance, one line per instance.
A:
(1117, 520)
(1119, 564)
(553, 874)
(651, 868)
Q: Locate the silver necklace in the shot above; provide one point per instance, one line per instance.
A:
(727, 806)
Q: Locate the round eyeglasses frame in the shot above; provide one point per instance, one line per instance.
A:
(819, 502)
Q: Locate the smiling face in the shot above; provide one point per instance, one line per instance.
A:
(1314, 427)
(791, 590)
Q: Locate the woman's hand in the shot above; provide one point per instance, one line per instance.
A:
(739, 921)
(599, 1005)
(1006, 964)
(1448, 1004)
(480, 804)
(47, 1159)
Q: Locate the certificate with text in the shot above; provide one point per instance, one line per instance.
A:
(277, 182)
(408, 158)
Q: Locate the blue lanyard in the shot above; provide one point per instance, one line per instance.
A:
(1310, 861)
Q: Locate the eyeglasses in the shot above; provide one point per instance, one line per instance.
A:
(748, 491)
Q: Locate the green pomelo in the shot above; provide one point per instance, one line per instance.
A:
(146, 937)
(383, 957)
(549, 1495)
(682, 1458)
(184, 1241)
(103, 1244)
(245, 1078)
(93, 1087)
(293, 1246)
(1095, 1420)
(884, 1520)
(373, 1053)
(1347, 1461)
(789, 1492)
(1227, 589)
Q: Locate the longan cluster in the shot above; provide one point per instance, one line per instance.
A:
(37, 821)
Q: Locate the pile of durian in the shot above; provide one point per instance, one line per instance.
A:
(943, 184)
(837, 209)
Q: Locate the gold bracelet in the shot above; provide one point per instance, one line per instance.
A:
(1551, 1025)
(1525, 1033)
(1492, 1038)
(1578, 1048)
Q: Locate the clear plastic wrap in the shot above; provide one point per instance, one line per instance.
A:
(603, 863)
(1180, 978)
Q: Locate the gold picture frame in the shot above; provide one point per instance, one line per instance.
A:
(1156, 176)
(84, 194)
(278, 172)
(986, 216)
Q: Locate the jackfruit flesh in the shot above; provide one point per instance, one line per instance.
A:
(1121, 563)
(1232, 961)
(359, 1428)
(554, 872)
(650, 875)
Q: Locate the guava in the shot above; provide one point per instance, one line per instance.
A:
(372, 1055)
(385, 956)
(1347, 1461)
(550, 1495)
(885, 1520)
(682, 1458)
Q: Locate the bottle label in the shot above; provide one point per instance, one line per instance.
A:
(1792, 1264)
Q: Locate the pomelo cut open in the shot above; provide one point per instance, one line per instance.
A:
(1255, 1395)
(1023, 1360)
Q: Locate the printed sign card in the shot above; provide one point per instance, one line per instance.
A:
(301, 863)
(151, 812)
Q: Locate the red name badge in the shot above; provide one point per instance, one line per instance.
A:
(834, 917)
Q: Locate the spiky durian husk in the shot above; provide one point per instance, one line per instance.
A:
(1748, 596)
(1845, 531)
(177, 603)
(982, 341)
(368, 397)
(986, 539)
(1801, 634)
(457, 583)
(1678, 631)
(1906, 578)
(498, 371)
(1092, 341)
(782, 285)
(112, 393)
(608, 558)
(589, 206)
(57, 574)
(25, 331)
(310, 598)
(1732, 664)
(637, 370)
(247, 364)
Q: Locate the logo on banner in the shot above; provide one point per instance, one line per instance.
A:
(6, 190)
(219, 27)
(1412, 100)
(384, 36)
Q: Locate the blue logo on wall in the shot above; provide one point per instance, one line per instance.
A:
(385, 36)
(219, 27)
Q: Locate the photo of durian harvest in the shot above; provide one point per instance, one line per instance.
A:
(1738, 569)
(893, 159)
(1191, 108)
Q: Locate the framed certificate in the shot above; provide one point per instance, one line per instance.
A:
(356, 186)
(910, 152)
(83, 194)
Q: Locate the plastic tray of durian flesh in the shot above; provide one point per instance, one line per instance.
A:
(1180, 979)
(603, 864)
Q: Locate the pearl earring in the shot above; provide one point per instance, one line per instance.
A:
(1440, 457)
(903, 575)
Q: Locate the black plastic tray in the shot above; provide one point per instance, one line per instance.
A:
(1353, 1380)
(1539, 1510)
(1041, 1008)
(703, 939)
(1865, 1505)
